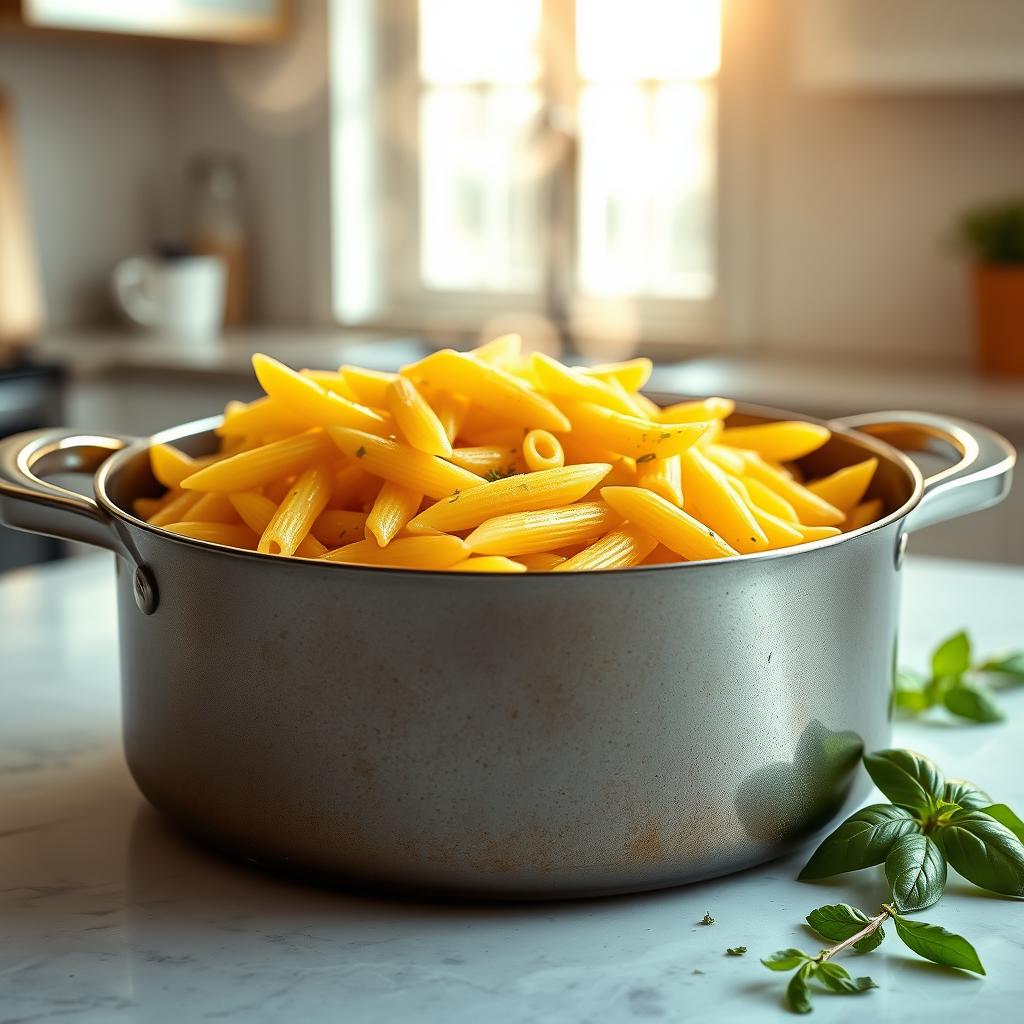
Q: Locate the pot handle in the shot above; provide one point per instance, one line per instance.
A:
(980, 476)
(29, 502)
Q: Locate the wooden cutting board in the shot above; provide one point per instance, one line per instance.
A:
(21, 300)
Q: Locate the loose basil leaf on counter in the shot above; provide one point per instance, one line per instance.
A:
(735, 950)
(1010, 665)
(953, 656)
(838, 921)
(837, 978)
(906, 778)
(916, 871)
(785, 959)
(862, 840)
(984, 851)
(966, 794)
(1005, 816)
(934, 943)
(973, 700)
(797, 993)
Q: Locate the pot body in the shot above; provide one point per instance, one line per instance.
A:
(560, 736)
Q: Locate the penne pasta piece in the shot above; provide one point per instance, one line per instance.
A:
(521, 493)
(506, 396)
(176, 509)
(331, 381)
(780, 532)
(257, 510)
(540, 561)
(542, 450)
(781, 442)
(144, 508)
(811, 533)
(524, 533)
(432, 552)
(698, 411)
(645, 408)
(416, 420)
(629, 435)
(711, 499)
(663, 476)
(297, 512)
(308, 401)
(671, 526)
(578, 451)
(451, 411)
(811, 510)
(170, 465)
(403, 465)
(352, 486)
(262, 465)
(334, 527)
(504, 351)
(632, 374)
(726, 458)
(767, 499)
(488, 563)
(846, 487)
(370, 386)
(259, 418)
(488, 460)
(662, 555)
(211, 508)
(866, 512)
(555, 379)
(625, 546)
(232, 535)
(393, 507)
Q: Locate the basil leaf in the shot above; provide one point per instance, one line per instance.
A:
(984, 851)
(934, 943)
(837, 977)
(838, 921)
(1005, 816)
(906, 778)
(1010, 665)
(916, 870)
(909, 692)
(973, 700)
(798, 995)
(862, 840)
(953, 656)
(966, 794)
(785, 959)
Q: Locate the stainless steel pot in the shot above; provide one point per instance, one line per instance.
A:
(530, 736)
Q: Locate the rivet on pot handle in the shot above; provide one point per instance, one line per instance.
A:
(30, 502)
(979, 477)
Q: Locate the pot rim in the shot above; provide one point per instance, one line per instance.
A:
(873, 445)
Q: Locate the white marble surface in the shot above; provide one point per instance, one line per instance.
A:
(107, 916)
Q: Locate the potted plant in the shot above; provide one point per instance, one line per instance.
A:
(993, 236)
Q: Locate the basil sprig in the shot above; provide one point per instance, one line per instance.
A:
(964, 689)
(850, 927)
(931, 822)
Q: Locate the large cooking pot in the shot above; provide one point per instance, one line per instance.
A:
(542, 735)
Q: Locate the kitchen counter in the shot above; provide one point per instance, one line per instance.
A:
(106, 915)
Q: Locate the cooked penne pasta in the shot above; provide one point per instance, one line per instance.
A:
(863, 514)
(505, 350)
(370, 386)
(671, 526)
(711, 499)
(810, 509)
(259, 418)
(541, 561)
(781, 533)
(767, 499)
(257, 510)
(331, 381)
(542, 450)
(335, 527)
(565, 382)
(176, 509)
(232, 535)
(490, 461)
(297, 512)
(663, 476)
(170, 465)
(526, 492)
(625, 546)
(418, 423)
(394, 506)
(698, 411)
(629, 435)
(780, 442)
(633, 374)
(488, 563)
(525, 533)
(451, 411)
(403, 465)
(845, 487)
(211, 508)
(434, 552)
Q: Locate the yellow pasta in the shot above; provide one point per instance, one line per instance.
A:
(232, 535)
(556, 379)
(633, 374)
(176, 509)
(170, 465)
(369, 386)
(331, 381)
(663, 476)
(781, 533)
(541, 561)
(256, 511)
(297, 512)
(262, 465)
(353, 486)
(630, 435)
(418, 423)
(487, 460)
(488, 563)
(502, 351)
(305, 399)
(698, 411)
(525, 492)
(542, 450)
(625, 546)
(811, 510)
(845, 487)
(780, 442)
(451, 411)
(335, 527)
(403, 465)
(394, 506)
(671, 526)
(259, 418)
(434, 552)
(501, 392)
(866, 512)
(810, 533)
(525, 533)
(769, 500)
(711, 499)
(211, 508)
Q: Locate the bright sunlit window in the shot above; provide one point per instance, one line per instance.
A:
(526, 155)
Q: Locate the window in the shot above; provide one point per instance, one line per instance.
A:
(555, 160)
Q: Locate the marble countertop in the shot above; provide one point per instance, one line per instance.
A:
(106, 915)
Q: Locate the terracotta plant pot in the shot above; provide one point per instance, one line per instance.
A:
(999, 318)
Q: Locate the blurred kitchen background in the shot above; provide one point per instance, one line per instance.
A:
(812, 204)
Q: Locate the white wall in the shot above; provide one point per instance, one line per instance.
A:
(90, 130)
